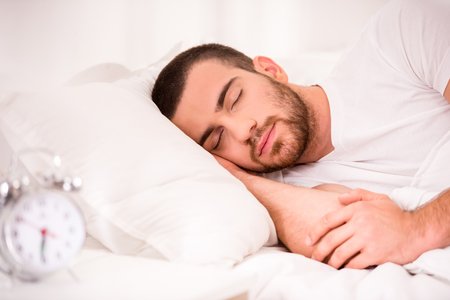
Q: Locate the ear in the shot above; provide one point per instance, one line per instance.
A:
(268, 67)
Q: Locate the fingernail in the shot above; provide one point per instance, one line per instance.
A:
(308, 241)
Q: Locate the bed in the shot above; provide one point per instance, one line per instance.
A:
(219, 241)
(164, 219)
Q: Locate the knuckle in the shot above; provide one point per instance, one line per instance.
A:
(359, 191)
(356, 207)
(339, 255)
(315, 233)
(384, 197)
(320, 253)
(361, 206)
(371, 232)
(337, 259)
(360, 221)
(329, 241)
(325, 220)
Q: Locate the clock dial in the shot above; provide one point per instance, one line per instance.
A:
(43, 231)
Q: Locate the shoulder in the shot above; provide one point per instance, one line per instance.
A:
(412, 36)
(415, 18)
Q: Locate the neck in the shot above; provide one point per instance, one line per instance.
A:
(320, 143)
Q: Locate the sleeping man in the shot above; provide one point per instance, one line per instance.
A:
(380, 121)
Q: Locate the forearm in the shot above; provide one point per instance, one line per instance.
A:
(433, 223)
(293, 208)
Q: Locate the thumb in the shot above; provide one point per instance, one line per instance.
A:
(349, 197)
(357, 195)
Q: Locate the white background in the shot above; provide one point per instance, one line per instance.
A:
(54, 39)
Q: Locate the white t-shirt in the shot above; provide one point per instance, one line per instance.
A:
(390, 122)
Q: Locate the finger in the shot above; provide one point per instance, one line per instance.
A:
(360, 261)
(345, 252)
(348, 198)
(228, 165)
(327, 223)
(357, 195)
(330, 242)
(221, 160)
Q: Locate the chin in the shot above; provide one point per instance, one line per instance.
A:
(287, 155)
(277, 165)
(283, 155)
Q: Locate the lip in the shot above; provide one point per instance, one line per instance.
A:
(266, 141)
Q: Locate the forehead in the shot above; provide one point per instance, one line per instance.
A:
(203, 86)
(205, 77)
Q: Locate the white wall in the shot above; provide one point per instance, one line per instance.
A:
(54, 39)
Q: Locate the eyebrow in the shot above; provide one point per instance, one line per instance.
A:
(219, 107)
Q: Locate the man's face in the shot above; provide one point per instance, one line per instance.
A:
(247, 118)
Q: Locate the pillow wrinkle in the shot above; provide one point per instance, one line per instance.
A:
(148, 188)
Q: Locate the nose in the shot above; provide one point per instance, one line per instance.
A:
(241, 128)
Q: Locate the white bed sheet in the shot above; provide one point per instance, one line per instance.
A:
(96, 273)
(284, 275)
(271, 273)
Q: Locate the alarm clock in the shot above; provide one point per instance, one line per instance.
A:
(41, 228)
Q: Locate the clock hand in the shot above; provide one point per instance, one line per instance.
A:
(47, 233)
(50, 234)
(43, 239)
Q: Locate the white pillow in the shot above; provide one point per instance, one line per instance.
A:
(148, 189)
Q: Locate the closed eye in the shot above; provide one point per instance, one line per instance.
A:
(217, 145)
(236, 100)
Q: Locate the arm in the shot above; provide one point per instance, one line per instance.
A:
(433, 222)
(389, 234)
(293, 209)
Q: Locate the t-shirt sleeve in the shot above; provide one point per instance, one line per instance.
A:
(411, 198)
(414, 35)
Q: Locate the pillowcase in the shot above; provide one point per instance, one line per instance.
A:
(148, 189)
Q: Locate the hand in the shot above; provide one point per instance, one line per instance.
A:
(43, 242)
(234, 169)
(292, 208)
(42, 230)
(370, 230)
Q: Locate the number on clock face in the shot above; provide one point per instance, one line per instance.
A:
(44, 231)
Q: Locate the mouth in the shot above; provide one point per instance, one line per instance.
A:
(266, 140)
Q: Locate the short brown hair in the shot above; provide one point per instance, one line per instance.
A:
(170, 83)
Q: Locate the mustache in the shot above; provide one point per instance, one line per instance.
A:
(259, 132)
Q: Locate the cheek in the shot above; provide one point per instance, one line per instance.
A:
(270, 109)
(234, 152)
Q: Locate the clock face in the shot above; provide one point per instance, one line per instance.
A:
(42, 232)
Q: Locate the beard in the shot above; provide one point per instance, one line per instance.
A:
(288, 149)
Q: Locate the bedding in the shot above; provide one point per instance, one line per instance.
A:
(182, 233)
(148, 190)
(283, 275)
(150, 194)
(96, 273)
